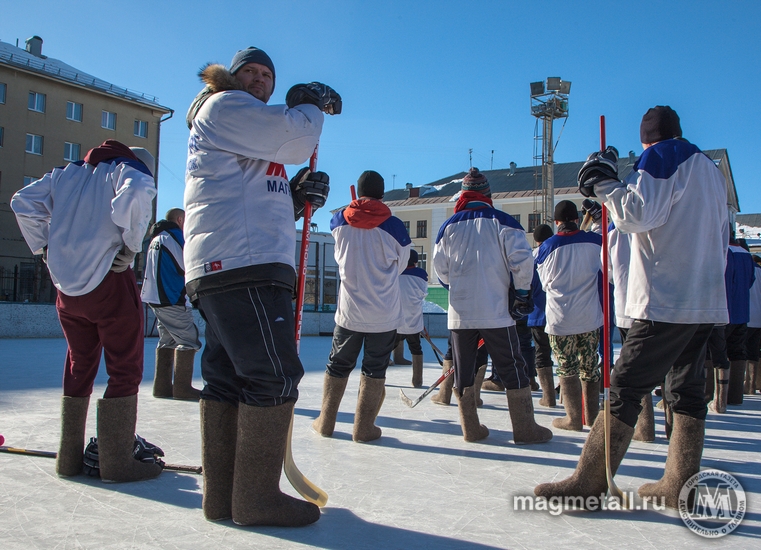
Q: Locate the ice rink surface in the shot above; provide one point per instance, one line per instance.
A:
(419, 486)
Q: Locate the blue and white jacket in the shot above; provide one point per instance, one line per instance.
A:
(569, 267)
(674, 205)
(755, 300)
(164, 283)
(372, 249)
(478, 251)
(739, 278)
(413, 284)
(537, 318)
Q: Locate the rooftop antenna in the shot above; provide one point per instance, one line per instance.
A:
(470, 157)
(393, 182)
(491, 165)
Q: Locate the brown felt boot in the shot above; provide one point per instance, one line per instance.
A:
(668, 419)
(417, 371)
(493, 385)
(719, 403)
(371, 394)
(183, 376)
(219, 434)
(480, 373)
(710, 384)
(117, 417)
(259, 454)
(590, 392)
(399, 355)
(683, 461)
(548, 387)
(589, 479)
(162, 378)
(444, 395)
(757, 375)
(333, 389)
(570, 391)
(71, 450)
(750, 377)
(472, 429)
(525, 429)
(645, 428)
(736, 381)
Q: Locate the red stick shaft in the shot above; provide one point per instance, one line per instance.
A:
(606, 359)
(353, 193)
(303, 257)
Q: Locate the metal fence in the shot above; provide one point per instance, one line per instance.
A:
(27, 282)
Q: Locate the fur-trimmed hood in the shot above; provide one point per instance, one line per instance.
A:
(217, 79)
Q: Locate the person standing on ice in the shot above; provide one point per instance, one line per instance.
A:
(480, 251)
(239, 269)
(88, 220)
(674, 206)
(413, 285)
(569, 267)
(372, 249)
(164, 290)
(537, 322)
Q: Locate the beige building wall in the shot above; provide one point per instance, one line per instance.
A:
(17, 121)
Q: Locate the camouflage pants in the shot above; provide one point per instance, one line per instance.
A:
(577, 354)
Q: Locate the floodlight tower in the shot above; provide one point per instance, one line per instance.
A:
(548, 105)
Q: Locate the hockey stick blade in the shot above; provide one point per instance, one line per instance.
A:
(410, 403)
(311, 492)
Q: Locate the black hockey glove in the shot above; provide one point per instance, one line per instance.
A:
(523, 304)
(600, 166)
(92, 459)
(309, 186)
(315, 93)
(593, 208)
(145, 451)
(123, 260)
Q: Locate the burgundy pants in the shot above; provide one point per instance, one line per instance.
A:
(110, 320)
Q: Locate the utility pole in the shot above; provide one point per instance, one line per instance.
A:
(470, 157)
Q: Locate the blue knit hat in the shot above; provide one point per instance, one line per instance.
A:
(252, 55)
(476, 181)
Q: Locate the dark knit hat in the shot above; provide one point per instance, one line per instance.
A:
(413, 258)
(370, 184)
(659, 123)
(542, 233)
(566, 211)
(476, 181)
(757, 259)
(252, 55)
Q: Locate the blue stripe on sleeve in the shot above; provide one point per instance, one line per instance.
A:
(487, 213)
(337, 220)
(556, 241)
(416, 272)
(663, 159)
(395, 227)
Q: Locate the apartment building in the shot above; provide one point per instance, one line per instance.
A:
(52, 113)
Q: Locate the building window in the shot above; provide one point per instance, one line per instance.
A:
(36, 102)
(29, 179)
(407, 227)
(422, 262)
(516, 217)
(141, 128)
(3, 88)
(108, 120)
(422, 229)
(34, 144)
(534, 220)
(74, 111)
(2, 133)
(71, 151)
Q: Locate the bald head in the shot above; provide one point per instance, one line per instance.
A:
(176, 215)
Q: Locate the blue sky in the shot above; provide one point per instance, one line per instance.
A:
(425, 81)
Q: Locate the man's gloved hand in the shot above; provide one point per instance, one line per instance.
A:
(593, 208)
(307, 186)
(600, 166)
(123, 260)
(523, 304)
(315, 93)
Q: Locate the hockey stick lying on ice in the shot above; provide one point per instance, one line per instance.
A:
(51, 454)
(436, 351)
(303, 486)
(612, 487)
(410, 403)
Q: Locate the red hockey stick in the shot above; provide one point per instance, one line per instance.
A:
(303, 486)
(606, 359)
